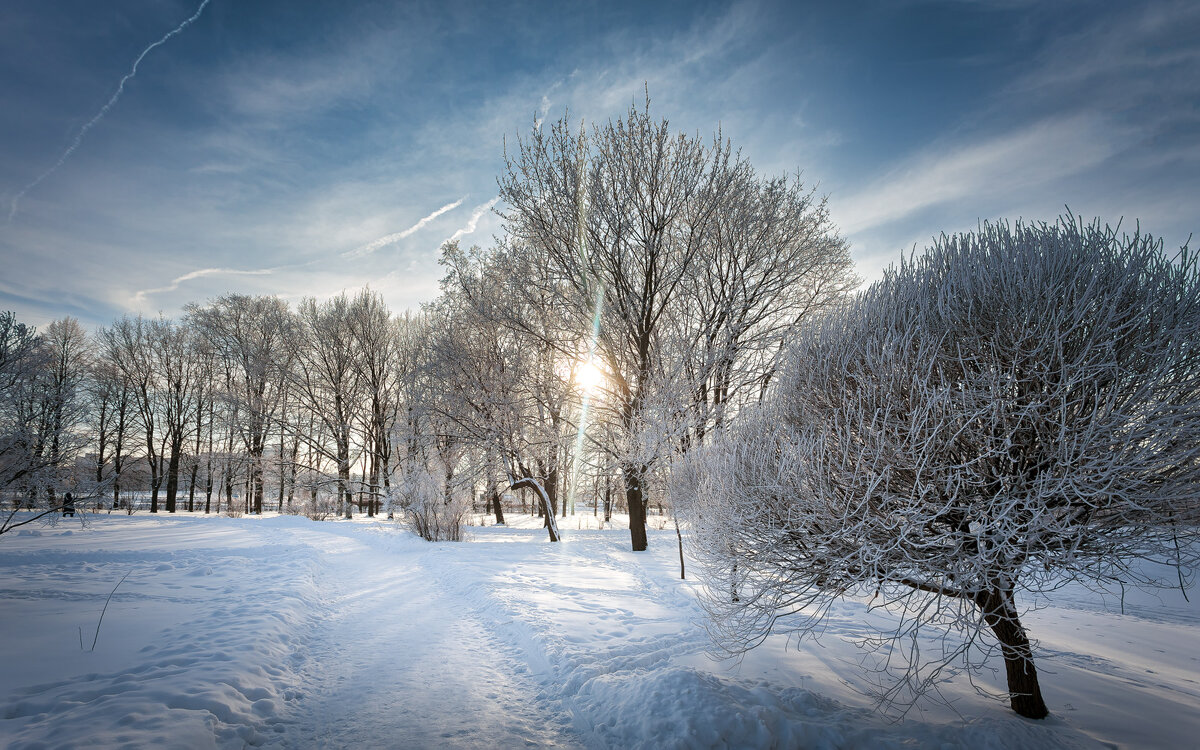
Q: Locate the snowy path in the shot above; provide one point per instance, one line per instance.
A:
(394, 662)
(284, 633)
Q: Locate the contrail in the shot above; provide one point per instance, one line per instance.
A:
(12, 210)
(140, 297)
(397, 236)
(476, 215)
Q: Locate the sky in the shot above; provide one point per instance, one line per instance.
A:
(155, 153)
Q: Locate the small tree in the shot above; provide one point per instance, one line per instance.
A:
(1016, 409)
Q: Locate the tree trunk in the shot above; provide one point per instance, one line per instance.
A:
(494, 495)
(173, 478)
(292, 469)
(155, 483)
(281, 470)
(192, 485)
(1000, 613)
(387, 484)
(345, 495)
(100, 464)
(498, 507)
(551, 523)
(256, 483)
(550, 488)
(637, 506)
(679, 536)
(208, 481)
(117, 478)
(371, 458)
(607, 499)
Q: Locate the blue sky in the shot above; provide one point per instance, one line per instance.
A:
(302, 148)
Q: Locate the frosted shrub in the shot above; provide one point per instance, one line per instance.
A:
(318, 506)
(1018, 408)
(433, 513)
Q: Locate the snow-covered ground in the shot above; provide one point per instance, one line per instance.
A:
(282, 632)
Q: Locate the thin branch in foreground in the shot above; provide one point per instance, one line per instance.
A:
(102, 611)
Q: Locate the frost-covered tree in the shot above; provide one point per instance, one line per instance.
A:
(328, 383)
(252, 339)
(42, 407)
(376, 340)
(63, 407)
(501, 393)
(23, 358)
(174, 358)
(434, 512)
(111, 414)
(771, 259)
(430, 490)
(614, 216)
(679, 254)
(1017, 408)
(127, 345)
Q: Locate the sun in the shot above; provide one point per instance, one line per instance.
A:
(588, 376)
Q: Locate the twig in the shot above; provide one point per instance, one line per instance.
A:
(1179, 563)
(106, 601)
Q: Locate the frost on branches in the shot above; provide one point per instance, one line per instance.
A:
(428, 504)
(1016, 409)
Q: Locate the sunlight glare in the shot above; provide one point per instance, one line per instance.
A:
(589, 376)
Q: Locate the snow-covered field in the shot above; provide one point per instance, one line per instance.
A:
(282, 632)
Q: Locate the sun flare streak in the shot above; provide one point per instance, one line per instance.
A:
(591, 379)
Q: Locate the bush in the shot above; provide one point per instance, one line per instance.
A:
(434, 514)
(317, 507)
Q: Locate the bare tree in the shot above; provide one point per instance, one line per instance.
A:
(42, 406)
(64, 406)
(111, 414)
(431, 445)
(612, 218)
(376, 346)
(502, 391)
(22, 362)
(203, 363)
(328, 383)
(685, 267)
(174, 358)
(127, 344)
(1015, 409)
(771, 259)
(252, 338)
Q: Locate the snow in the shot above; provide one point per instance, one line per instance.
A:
(283, 632)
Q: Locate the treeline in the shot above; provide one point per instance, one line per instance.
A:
(642, 294)
(233, 392)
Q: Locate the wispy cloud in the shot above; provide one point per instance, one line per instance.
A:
(386, 240)
(544, 107)
(1098, 119)
(139, 298)
(473, 222)
(992, 170)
